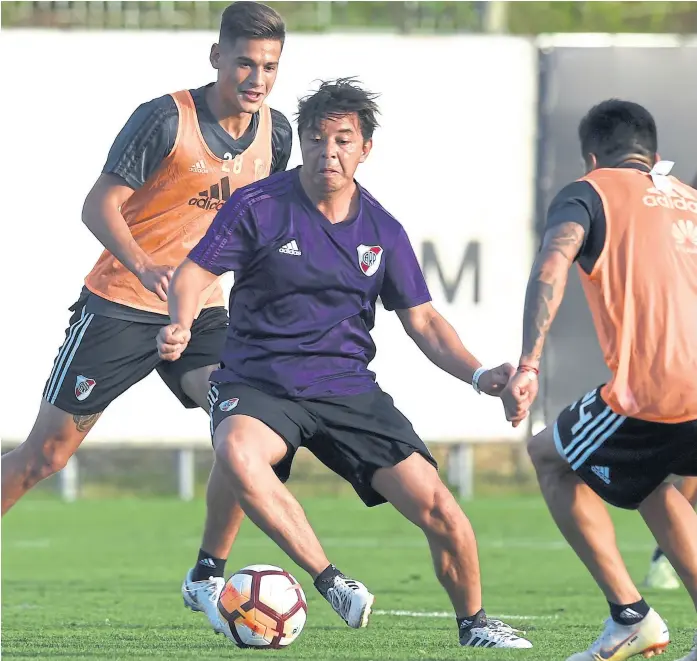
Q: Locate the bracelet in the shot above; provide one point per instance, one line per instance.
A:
(475, 379)
(529, 369)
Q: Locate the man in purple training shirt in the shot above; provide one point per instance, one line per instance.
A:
(312, 251)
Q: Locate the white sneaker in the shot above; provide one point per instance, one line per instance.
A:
(692, 656)
(202, 597)
(493, 633)
(661, 575)
(619, 642)
(351, 600)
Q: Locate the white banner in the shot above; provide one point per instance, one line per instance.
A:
(453, 161)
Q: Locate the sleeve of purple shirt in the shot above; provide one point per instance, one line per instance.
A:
(231, 241)
(404, 285)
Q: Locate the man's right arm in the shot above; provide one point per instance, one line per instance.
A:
(139, 149)
(230, 244)
(101, 214)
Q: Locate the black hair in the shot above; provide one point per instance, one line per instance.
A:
(614, 128)
(338, 98)
(251, 20)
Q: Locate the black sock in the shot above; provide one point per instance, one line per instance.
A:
(657, 554)
(477, 620)
(628, 614)
(326, 578)
(207, 566)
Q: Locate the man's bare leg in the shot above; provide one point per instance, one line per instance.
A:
(661, 574)
(673, 522)
(688, 488)
(54, 438)
(415, 490)
(583, 519)
(246, 449)
(224, 516)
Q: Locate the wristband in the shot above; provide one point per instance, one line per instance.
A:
(475, 379)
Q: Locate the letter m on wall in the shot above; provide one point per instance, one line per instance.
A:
(452, 282)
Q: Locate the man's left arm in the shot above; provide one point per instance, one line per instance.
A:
(441, 344)
(404, 290)
(546, 285)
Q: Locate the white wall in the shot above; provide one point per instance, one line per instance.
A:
(453, 161)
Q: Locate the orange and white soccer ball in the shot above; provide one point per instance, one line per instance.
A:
(262, 606)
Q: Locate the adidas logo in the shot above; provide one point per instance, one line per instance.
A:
(214, 198)
(291, 248)
(603, 472)
(676, 198)
(629, 614)
(199, 167)
(207, 562)
(685, 235)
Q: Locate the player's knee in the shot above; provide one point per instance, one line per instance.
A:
(233, 453)
(238, 452)
(46, 456)
(440, 515)
(248, 449)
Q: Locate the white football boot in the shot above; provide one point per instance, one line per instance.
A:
(351, 600)
(492, 633)
(661, 575)
(619, 642)
(692, 656)
(202, 597)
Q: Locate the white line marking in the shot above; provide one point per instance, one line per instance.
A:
(398, 613)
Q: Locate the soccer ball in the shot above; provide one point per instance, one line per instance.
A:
(262, 606)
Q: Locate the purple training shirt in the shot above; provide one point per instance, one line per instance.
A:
(303, 303)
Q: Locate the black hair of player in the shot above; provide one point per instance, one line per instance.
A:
(615, 129)
(251, 20)
(338, 98)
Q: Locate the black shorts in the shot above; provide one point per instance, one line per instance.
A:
(353, 435)
(623, 459)
(103, 357)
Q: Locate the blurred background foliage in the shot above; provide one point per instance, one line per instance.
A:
(521, 18)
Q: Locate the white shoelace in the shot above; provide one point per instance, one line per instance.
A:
(340, 595)
(210, 589)
(495, 631)
(498, 632)
(500, 624)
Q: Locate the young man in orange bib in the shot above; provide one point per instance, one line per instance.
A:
(631, 228)
(173, 165)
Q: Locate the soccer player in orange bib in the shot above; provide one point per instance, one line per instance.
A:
(631, 228)
(173, 165)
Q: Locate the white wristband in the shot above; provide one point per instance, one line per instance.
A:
(475, 379)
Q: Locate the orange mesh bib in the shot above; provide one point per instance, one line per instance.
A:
(172, 211)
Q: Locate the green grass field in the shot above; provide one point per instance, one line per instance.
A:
(100, 579)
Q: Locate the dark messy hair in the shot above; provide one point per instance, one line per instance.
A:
(251, 20)
(338, 98)
(614, 129)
